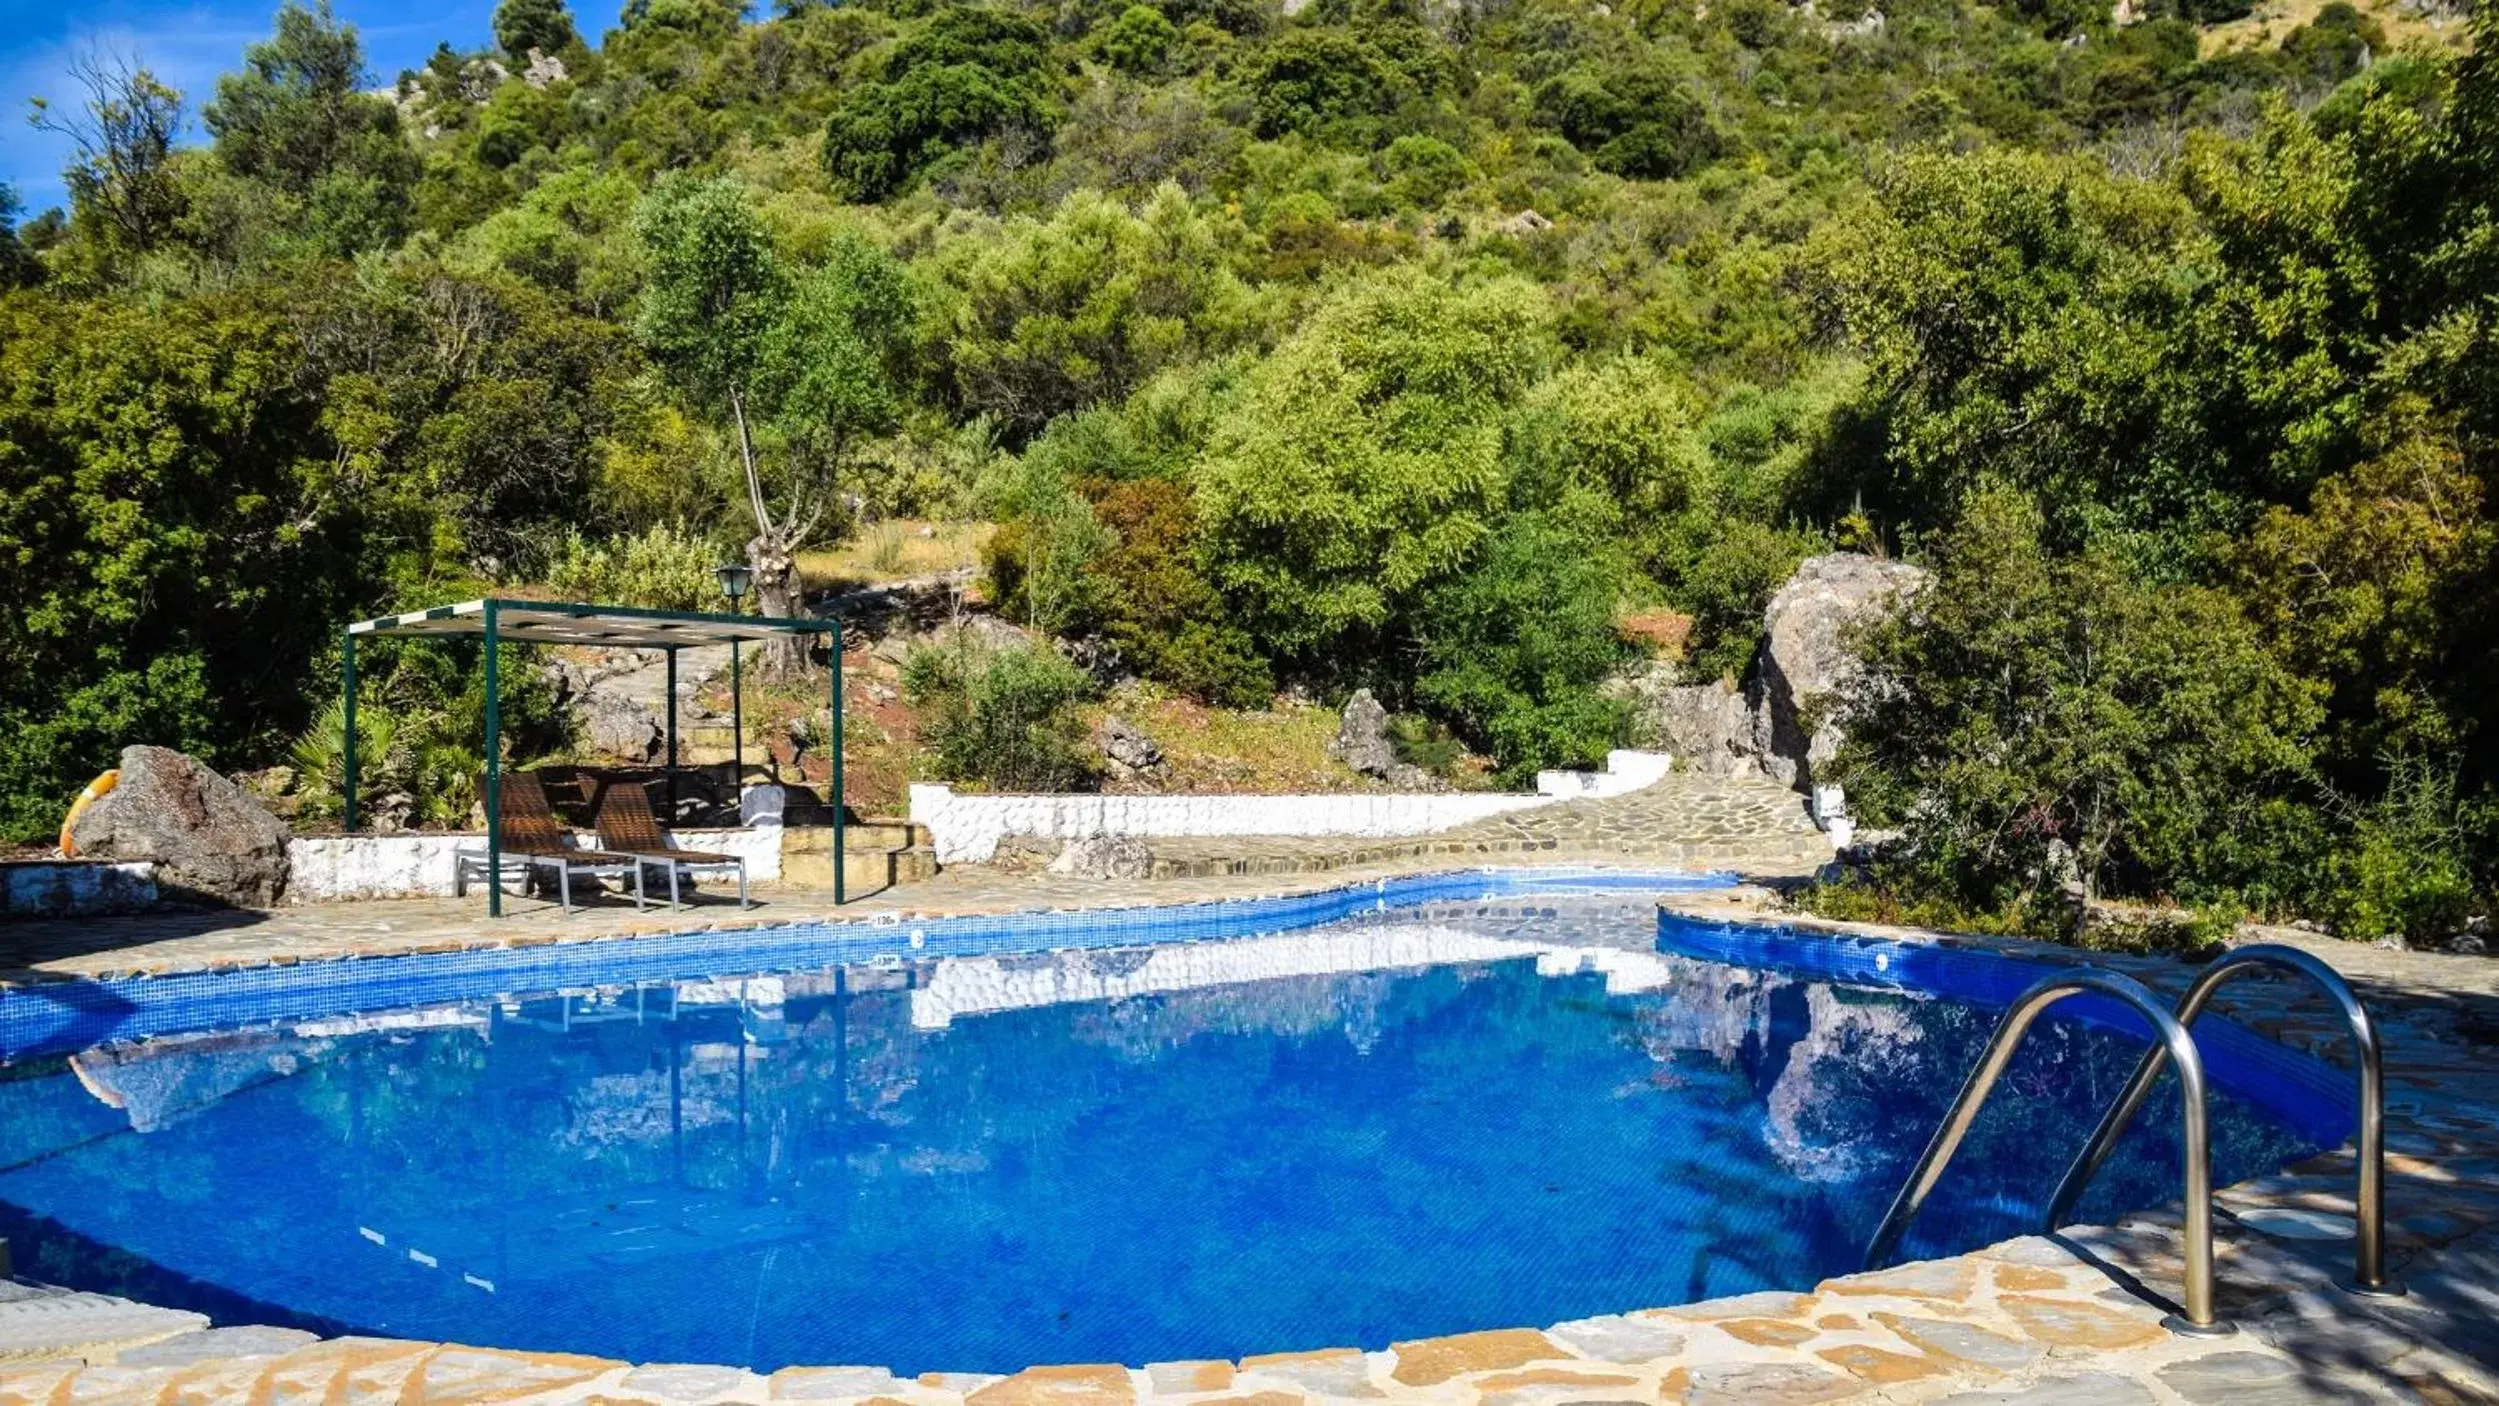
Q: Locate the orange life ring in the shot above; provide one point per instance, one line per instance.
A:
(96, 791)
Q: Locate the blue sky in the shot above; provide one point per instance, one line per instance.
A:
(188, 43)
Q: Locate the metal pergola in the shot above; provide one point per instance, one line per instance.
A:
(497, 621)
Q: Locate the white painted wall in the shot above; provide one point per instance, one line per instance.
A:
(967, 828)
(75, 888)
(342, 868)
(1624, 771)
(339, 868)
(758, 845)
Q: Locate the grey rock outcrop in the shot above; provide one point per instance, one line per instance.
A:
(209, 838)
(1362, 740)
(621, 728)
(1105, 857)
(619, 701)
(1129, 751)
(1706, 727)
(1806, 654)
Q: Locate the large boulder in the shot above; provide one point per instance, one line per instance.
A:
(1362, 740)
(1706, 727)
(1363, 743)
(1129, 752)
(1105, 857)
(610, 712)
(1806, 654)
(209, 839)
(621, 727)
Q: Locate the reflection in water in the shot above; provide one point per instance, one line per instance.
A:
(1414, 1123)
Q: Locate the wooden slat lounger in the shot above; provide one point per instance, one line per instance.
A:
(624, 821)
(534, 839)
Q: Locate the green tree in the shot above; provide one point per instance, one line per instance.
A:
(1323, 83)
(968, 74)
(2028, 711)
(1362, 461)
(1513, 650)
(2022, 316)
(122, 178)
(18, 267)
(171, 561)
(1053, 315)
(297, 117)
(803, 363)
(1139, 40)
(524, 25)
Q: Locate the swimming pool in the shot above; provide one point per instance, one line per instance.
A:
(1478, 1101)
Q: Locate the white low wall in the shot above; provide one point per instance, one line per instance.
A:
(338, 868)
(75, 888)
(967, 828)
(342, 868)
(1624, 771)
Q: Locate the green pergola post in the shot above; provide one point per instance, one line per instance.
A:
(494, 765)
(347, 691)
(841, 832)
(737, 735)
(672, 735)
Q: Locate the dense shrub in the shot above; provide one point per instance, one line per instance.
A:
(1513, 650)
(969, 73)
(1000, 717)
(2030, 714)
(662, 567)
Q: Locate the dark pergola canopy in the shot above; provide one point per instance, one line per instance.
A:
(609, 626)
(497, 621)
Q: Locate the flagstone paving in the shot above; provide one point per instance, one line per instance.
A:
(1745, 826)
(2037, 1321)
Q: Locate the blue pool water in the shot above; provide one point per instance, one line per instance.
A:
(1461, 1113)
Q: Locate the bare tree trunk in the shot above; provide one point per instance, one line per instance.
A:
(774, 559)
(778, 593)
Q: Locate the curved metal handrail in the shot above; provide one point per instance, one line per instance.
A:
(2369, 1275)
(2169, 1035)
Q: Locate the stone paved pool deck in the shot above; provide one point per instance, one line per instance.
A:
(2068, 1321)
(1691, 823)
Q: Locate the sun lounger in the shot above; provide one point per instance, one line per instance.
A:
(535, 841)
(624, 821)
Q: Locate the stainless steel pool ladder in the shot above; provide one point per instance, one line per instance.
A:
(2369, 1139)
(2171, 1044)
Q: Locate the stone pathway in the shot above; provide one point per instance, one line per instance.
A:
(2068, 1321)
(1747, 824)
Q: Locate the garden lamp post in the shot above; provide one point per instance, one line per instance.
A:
(734, 579)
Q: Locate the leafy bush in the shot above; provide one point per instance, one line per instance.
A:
(1319, 82)
(661, 568)
(1514, 649)
(1139, 40)
(1424, 171)
(1217, 664)
(1362, 461)
(1426, 743)
(972, 72)
(420, 732)
(2403, 873)
(1004, 718)
(1723, 573)
(2027, 714)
